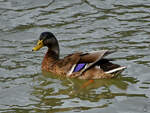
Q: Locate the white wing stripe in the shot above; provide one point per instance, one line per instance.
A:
(114, 70)
(71, 70)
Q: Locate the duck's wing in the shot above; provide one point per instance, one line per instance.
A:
(93, 58)
(96, 59)
(78, 63)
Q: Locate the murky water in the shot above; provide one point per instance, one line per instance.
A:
(79, 25)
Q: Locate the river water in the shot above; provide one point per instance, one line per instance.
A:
(79, 25)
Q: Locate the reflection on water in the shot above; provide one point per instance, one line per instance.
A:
(63, 94)
(79, 25)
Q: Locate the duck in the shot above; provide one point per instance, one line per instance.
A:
(81, 65)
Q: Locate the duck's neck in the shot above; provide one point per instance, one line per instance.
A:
(50, 58)
(53, 48)
(52, 54)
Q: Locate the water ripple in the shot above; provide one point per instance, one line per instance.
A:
(79, 25)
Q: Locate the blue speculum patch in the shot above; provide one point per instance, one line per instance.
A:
(79, 67)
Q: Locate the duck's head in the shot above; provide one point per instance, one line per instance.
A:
(47, 39)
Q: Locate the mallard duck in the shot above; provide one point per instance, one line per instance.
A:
(89, 65)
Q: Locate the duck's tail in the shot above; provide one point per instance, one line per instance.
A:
(110, 68)
(116, 70)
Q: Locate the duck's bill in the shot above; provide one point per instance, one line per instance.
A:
(38, 46)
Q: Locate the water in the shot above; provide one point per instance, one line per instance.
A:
(79, 25)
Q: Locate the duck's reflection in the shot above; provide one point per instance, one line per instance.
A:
(54, 91)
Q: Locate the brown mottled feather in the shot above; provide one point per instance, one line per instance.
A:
(62, 66)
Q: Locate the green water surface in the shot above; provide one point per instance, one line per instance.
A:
(79, 25)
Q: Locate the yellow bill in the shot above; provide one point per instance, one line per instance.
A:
(38, 46)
